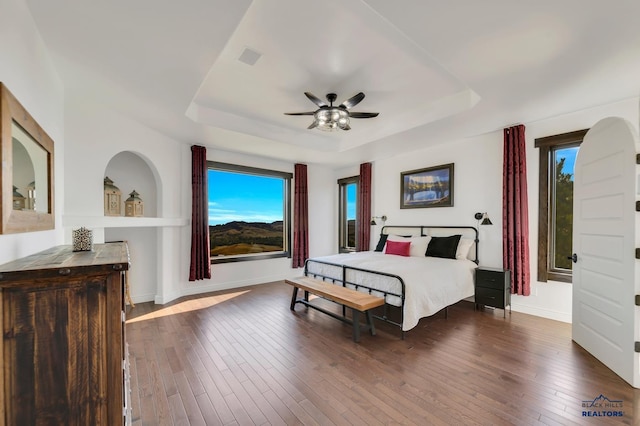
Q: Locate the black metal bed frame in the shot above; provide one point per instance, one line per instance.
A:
(386, 307)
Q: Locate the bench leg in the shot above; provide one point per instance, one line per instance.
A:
(372, 328)
(356, 324)
(293, 298)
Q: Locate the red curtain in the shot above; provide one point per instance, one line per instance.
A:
(300, 216)
(200, 255)
(515, 217)
(363, 212)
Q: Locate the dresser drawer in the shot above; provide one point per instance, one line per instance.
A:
(490, 297)
(491, 279)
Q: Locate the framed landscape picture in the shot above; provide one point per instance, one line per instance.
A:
(430, 187)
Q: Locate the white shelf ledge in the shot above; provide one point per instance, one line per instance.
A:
(122, 222)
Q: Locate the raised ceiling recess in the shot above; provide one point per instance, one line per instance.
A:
(402, 81)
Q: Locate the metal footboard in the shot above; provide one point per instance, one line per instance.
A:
(345, 282)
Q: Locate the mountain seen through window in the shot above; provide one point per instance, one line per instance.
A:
(246, 213)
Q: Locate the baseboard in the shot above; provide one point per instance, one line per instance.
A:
(142, 298)
(544, 313)
(190, 290)
(234, 284)
(161, 300)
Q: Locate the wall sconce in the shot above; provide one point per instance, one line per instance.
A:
(383, 218)
(484, 217)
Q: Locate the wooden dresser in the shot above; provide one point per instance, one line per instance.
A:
(63, 351)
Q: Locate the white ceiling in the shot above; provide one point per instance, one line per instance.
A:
(434, 70)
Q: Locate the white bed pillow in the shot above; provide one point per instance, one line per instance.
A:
(464, 246)
(418, 244)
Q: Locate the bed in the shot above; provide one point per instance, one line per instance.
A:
(413, 285)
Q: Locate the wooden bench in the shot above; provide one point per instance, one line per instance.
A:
(356, 300)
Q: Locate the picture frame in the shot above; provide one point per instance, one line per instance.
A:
(26, 180)
(428, 187)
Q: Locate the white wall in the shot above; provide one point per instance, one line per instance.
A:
(27, 71)
(477, 168)
(478, 188)
(323, 211)
(143, 275)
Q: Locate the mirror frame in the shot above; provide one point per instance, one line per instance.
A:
(15, 221)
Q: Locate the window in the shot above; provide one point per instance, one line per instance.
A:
(555, 214)
(249, 215)
(348, 192)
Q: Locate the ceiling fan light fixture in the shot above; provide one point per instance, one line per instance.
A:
(328, 117)
(331, 118)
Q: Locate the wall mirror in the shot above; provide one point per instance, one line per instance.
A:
(26, 181)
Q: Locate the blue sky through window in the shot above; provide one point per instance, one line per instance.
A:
(244, 197)
(351, 201)
(569, 154)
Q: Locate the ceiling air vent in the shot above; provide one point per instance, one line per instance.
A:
(249, 57)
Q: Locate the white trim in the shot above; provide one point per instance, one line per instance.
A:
(544, 313)
(195, 289)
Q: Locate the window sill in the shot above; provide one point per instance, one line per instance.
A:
(248, 257)
(346, 250)
(563, 278)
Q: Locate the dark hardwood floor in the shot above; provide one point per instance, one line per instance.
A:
(241, 357)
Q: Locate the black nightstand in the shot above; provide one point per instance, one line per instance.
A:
(493, 288)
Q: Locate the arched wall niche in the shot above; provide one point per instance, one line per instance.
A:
(134, 171)
(130, 171)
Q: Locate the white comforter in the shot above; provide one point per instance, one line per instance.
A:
(431, 283)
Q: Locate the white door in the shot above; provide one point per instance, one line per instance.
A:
(604, 241)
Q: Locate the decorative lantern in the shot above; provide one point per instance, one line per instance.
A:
(134, 206)
(31, 196)
(82, 239)
(112, 198)
(18, 199)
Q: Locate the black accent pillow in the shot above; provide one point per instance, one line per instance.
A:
(381, 242)
(445, 247)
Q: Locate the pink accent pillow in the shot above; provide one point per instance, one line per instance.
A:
(401, 248)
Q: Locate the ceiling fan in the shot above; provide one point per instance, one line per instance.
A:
(329, 117)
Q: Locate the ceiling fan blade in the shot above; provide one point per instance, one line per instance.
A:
(352, 101)
(363, 114)
(316, 100)
(313, 125)
(299, 113)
